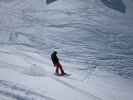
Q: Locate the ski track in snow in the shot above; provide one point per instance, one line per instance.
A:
(19, 92)
(75, 88)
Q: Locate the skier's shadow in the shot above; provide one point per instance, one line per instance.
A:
(117, 5)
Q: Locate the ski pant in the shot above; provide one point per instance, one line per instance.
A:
(59, 67)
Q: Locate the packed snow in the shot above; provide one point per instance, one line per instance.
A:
(94, 40)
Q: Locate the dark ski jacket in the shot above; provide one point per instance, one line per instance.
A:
(54, 58)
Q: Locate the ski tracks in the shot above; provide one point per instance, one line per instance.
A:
(19, 92)
(75, 88)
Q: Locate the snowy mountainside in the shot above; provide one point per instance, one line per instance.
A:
(26, 74)
(94, 40)
(96, 34)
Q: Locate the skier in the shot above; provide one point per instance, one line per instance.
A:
(57, 64)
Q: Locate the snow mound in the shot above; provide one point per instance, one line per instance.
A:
(35, 70)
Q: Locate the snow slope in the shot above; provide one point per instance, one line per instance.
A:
(27, 75)
(96, 34)
(94, 41)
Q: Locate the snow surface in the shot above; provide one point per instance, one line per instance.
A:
(27, 75)
(94, 43)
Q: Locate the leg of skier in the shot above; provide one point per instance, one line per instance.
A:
(57, 70)
(61, 69)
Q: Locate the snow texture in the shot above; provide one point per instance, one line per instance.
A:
(95, 44)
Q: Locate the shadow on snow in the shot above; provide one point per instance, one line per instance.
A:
(117, 5)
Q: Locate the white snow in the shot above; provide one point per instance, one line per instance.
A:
(29, 75)
(30, 30)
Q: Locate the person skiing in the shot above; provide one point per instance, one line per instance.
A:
(57, 64)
